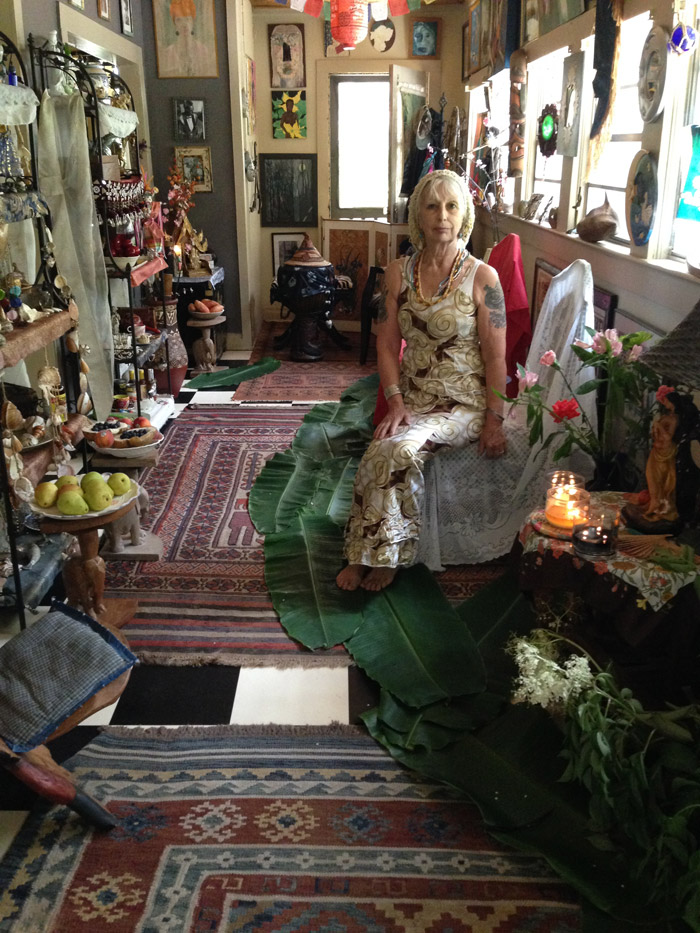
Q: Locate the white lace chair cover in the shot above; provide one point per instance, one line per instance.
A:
(18, 104)
(117, 122)
(474, 507)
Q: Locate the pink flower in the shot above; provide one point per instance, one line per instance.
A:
(663, 391)
(548, 358)
(608, 338)
(527, 380)
(635, 352)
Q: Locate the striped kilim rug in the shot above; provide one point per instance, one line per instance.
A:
(324, 380)
(236, 829)
(205, 601)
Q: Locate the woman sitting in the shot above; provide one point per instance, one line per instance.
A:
(449, 308)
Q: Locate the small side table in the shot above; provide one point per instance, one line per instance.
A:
(204, 348)
(84, 572)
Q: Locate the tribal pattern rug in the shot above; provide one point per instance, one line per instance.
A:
(205, 601)
(324, 380)
(230, 828)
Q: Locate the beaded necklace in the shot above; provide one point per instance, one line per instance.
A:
(446, 287)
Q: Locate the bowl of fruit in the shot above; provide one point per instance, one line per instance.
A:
(73, 497)
(123, 438)
(206, 309)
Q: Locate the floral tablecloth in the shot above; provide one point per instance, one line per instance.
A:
(656, 585)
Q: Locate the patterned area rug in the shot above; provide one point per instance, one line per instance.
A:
(205, 601)
(322, 381)
(237, 829)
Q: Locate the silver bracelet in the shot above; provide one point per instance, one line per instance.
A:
(496, 413)
(393, 389)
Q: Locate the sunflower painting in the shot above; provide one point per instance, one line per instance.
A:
(289, 114)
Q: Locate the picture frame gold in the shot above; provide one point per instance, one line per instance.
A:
(426, 33)
(194, 162)
(186, 45)
(103, 9)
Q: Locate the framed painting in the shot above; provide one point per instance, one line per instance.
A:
(288, 190)
(544, 273)
(289, 114)
(188, 120)
(474, 37)
(103, 9)
(287, 63)
(425, 37)
(126, 18)
(195, 164)
(466, 49)
(284, 246)
(185, 39)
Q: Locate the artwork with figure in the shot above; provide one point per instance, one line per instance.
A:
(289, 115)
(126, 18)
(185, 33)
(195, 164)
(425, 38)
(288, 190)
(287, 56)
(189, 119)
(382, 35)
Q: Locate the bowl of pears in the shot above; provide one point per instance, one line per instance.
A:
(92, 493)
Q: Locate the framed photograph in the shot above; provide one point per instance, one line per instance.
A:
(185, 37)
(474, 37)
(544, 273)
(195, 164)
(287, 64)
(188, 117)
(284, 246)
(425, 37)
(103, 9)
(466, 49)
(125, 17)
(288, 190)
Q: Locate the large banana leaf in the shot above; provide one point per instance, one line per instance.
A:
(325, 440)
(301, 564)
(289, 483)
(235, 375)
(413, 643)
(365, 388)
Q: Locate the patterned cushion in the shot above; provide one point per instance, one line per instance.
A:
(50, 669)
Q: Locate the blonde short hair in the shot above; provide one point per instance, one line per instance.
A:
(424, 187)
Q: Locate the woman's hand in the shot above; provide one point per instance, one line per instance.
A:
(492, 440)
(396, 416)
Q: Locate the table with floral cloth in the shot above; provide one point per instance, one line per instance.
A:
(643, 613)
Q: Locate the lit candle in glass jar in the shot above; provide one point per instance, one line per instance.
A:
(564, 478)
(595, 535)
(566, 505)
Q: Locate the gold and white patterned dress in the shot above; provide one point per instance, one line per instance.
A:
(442, 381)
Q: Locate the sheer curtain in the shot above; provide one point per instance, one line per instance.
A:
(474, 507)
(65, 180)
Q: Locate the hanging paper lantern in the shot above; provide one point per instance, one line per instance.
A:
(348, 22)
(683, 39)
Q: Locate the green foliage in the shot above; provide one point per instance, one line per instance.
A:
(235, 375)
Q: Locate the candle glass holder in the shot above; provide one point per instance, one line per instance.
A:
(566, 505)
(595, 535)
(564, 478)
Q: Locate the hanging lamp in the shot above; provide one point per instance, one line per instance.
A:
(348, 22)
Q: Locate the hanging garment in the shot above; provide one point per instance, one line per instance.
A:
(65, 181)
(506, 259)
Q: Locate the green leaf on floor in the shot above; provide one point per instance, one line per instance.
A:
(325, 440)
(235, 375)
(301, 564)
(412, 642)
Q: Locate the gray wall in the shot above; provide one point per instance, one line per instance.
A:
(215, 212)
(41, 16)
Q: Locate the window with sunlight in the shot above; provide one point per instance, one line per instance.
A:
(359, 146)
(547, 79)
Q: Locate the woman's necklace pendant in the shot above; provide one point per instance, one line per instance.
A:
(445, 287)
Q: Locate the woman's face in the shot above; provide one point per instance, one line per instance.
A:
(440, 216)
(423, 40)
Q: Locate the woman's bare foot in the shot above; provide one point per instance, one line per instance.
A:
(351, 576)
(378, 578)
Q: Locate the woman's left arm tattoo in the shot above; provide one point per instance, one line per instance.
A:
(496, 303)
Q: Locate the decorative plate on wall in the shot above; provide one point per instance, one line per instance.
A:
(652, 74)
(641, 198)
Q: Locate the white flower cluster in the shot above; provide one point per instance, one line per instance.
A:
(542, 681)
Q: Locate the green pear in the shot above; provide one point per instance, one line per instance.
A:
(72, 503)
(119, 483)
(90, 478)
(45, 495)
(72, 487)
(98, 496)
(67, 480)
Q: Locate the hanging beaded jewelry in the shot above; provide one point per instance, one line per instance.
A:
(446, 287)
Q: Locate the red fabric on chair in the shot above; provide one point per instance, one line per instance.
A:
(506, 259)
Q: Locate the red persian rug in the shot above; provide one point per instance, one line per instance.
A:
(205, 601)
(241, 829)
(323, 381)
